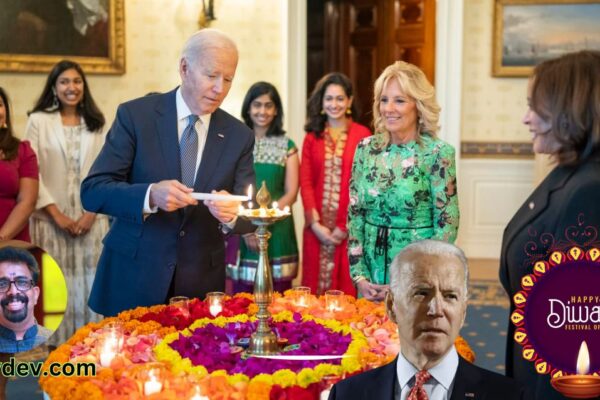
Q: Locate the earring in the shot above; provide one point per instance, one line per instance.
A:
(322, 112)
(348, 111)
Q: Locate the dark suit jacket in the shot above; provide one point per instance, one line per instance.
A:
(471, 383)
(555, 205)
(141, 256)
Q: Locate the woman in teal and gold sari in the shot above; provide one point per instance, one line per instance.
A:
(276, 163)
(403, 185)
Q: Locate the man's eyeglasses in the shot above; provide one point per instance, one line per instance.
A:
(22, 284)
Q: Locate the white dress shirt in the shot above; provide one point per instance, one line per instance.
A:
(438, 387)
(183, 112)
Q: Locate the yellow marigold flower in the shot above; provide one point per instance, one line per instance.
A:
(306, 377)
(327, 369)
(284, 316)
(237, 378)
(263, 378)
(284, 378)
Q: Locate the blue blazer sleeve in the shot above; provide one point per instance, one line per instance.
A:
(107, 188)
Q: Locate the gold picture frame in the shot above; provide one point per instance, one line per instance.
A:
(37, 34)
(527, 32)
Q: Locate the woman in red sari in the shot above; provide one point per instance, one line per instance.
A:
(327, 155)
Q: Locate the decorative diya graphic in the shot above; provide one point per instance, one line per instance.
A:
(581, 385)
(560, 303)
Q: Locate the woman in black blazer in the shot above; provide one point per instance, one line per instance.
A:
(564, 120)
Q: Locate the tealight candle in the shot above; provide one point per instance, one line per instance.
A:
(152, 385)
(333, 300)
(109, 351)
(215, 302)
(215, 309)
(301, 296)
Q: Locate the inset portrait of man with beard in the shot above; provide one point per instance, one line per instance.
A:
(19, 293)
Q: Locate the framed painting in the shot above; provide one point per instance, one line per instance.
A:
(529, 31)
(36, 34)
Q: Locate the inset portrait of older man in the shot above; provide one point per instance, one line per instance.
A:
(19, 293)
(428, 300)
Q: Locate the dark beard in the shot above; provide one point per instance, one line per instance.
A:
(15, 316)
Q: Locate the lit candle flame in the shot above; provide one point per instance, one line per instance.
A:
(275, 205)
(152, 385)
(583, 359)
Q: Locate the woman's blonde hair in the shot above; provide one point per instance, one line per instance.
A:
(415, 85)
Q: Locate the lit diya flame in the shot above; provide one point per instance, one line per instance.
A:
(582, 385)
(583, 359)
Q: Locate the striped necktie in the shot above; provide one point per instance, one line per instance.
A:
(188, 149)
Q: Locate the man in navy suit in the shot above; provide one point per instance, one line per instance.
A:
(428, 301)
(163, 242)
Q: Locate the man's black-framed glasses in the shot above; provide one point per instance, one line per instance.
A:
(22, 284)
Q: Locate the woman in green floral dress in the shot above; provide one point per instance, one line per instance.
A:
(276, 163)
(403, 185)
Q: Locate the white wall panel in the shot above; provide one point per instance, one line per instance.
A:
(490, 192)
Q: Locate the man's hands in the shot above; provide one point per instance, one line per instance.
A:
(224, 211)
(171, 195)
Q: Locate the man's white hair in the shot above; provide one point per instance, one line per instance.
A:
(204, 39)
(406, 258)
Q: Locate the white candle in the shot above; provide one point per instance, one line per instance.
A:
(302, 302)
(275, 205)
(215, 308)
(334, 306)
(106, 358)
(109, 350)
(152, 385)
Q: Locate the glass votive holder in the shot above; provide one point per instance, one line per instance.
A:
(109, 343)
(107, 349)
(300, 296)
(215, 302)
(181, 303)
(334, 300)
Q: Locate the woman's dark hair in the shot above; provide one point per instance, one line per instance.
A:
(257, 90)
(566, 93)
(9, 144)
(87, 108)
(315, 121)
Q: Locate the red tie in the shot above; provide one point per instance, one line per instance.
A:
(418, 391)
